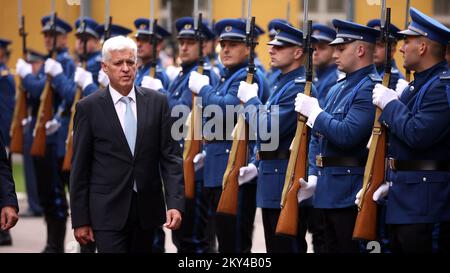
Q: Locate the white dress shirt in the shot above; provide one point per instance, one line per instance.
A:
(120, 106)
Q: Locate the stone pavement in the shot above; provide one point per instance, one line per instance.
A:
(29, 235)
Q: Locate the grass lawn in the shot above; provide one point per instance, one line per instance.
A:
(19, 176)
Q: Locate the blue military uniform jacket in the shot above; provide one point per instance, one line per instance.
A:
(180, 94)
(395, 74)
(271, 173)
(7, 101)
(324, 80)
(343, 130)
(223, 94)
(419, 129)
(62, 97)
(160, 74)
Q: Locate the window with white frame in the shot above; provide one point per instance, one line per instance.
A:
(324, 11)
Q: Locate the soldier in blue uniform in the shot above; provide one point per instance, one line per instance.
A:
(234, 54)
(326, 70)
(36, 59)
(7, 101)
(417, 123)
(287, 55)
(191, 237)
(397, 79)
(48, 169)
(87, 78)
(341, 128)
(145, 52)
(273, 72)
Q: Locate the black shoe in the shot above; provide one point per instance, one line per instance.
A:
(5, 238)
(29, 214)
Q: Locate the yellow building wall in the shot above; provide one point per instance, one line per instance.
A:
(125, 12)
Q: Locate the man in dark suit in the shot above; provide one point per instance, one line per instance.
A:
(122, 151)
(8, 199)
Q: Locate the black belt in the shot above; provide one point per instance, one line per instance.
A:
(273, 155)
(418, 165)
(340, 161)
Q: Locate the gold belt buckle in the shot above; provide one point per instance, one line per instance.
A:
(391, 164)
(319, 162)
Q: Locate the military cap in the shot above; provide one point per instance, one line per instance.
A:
(4, 43)
(348, 32)
(393, 30)
(231, 29)
(185, 28)
(143, 28)
(86, 25)
(116, 30)
(61, 26)
(423, 25)
(287, 35)
(323, 33)
(270, 26)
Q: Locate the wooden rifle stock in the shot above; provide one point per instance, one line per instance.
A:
(67, 163)
(20, 109)
(297, 168)
(374, 172)
(20, 113)
(238, 158)
(45, 114)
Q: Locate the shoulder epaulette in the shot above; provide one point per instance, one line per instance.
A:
(301, 79)
(445, 76)
(4, 72)
(375, 77)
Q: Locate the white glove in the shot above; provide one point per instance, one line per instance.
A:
(51, 127)
(199, 160)
(247, 91)
(103, 79)
(307, 189)
(247, 173)
(382, 95)
(53, 67)
(83, 78)
(151, 83)
(23, 68)
(309, 107)
(197, 81)
(380, 193)
(400, 87)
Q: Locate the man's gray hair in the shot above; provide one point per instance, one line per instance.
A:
(118, 43)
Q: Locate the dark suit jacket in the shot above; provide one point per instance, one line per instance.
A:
(103, 167)
(7, 190)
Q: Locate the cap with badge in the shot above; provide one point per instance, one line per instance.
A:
(185, 28)
(287, 35)
(393, 30)
(270, 26)
(231, 29)
(143, 28)
(423, 25)
(34, 56)
(348, 32)
(116, 30)
(86, 25)
(323, 33)
(61, 26)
